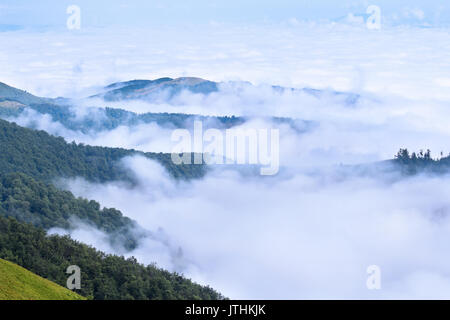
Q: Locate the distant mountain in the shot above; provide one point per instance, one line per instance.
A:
(162, 88)
(14, 102)
(158, 90)
(17, 283)
(12, 97)
(102, 119)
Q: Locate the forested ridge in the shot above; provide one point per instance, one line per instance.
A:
(103, 276)
(411, 163)
(45, 157)
(111, 118)
(30, 160)
(104, 119)
(47, 207)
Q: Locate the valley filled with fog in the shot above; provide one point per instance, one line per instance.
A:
(334, 208)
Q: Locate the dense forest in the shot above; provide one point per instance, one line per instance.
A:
(29, 162)
(45, 157)
(47, 207)
(102, 276)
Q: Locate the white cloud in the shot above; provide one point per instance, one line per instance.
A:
(415, 13)
(312, 231)
(299, 236)
(400, 60)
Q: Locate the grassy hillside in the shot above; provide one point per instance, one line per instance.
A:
(17, 283)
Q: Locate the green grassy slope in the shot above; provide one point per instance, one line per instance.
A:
(17, 283)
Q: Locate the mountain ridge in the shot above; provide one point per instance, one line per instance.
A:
(166, 87)
(9, 93)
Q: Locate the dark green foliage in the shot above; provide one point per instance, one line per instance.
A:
(45, 206)
(45, 157)
(29, 162)
(102, 276)
(421, 162)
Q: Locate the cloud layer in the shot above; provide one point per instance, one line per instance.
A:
(311, 231)
(406, 61)
(305, 235)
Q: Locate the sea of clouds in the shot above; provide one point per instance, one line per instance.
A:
(405, 61)
(312, 230)
(302, 235)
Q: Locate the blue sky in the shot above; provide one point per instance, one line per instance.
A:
(100, 13)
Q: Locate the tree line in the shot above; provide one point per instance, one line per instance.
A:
(103, 276)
